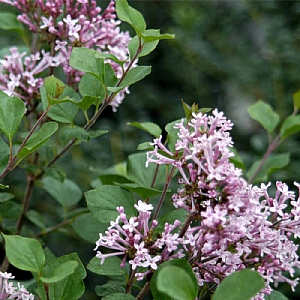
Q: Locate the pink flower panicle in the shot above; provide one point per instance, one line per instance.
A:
(76, 23)
(202, 158)
(134, 239)
(237, 225)
(18, 73)
(8, 291)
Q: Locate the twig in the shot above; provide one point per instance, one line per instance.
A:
(163, 194)
(271, 148)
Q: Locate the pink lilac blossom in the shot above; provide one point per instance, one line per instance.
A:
(68, 24)
(235, 225)
(134, 239)
(8, 291)
(18, 73)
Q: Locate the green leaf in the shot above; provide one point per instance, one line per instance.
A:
(290, 126)
(54, 88)
(109, 289)
(134, 75)
(38, 139)
(88, 228)
(273, 163)
(150, 40)
(110, 267)
(110, 76)
(151, 35)
(143, 192)
(174, 280)
(12, 110)
(63, 112)
(66, 93)
(6, 197)
(3, 186)
(57, 172)
(241, 285)
(10, 22)
(61, 272)
(24, 253)
(85, 60)
(4, 155)
(131, 16)
(187, 110)
(275, 295)
(36, 218)
(10, 210)
(96, 133)
(104, 200)
(73, 132)
(146, 48)
(296, 99)
(66, 193)
(111, 179)
(152, 128)
(138, 173)
(119, 296)
(263, 113)
(69, 95)
(204, 110)
(145, 146)
(119, 169)
(69, 288)
(110, 57)
(89, 85)
(88, 101)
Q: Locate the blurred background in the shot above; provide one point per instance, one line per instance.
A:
(226, 55)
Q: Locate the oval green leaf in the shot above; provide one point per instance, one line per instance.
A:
(62, 271)
(104, 200)
(263, 113)
(241, 285)
(150, 127)
(110, 267)
(174, 280)
(67, 193)
(12, 110)
(38, 139)
(290, 126)
(24, 253)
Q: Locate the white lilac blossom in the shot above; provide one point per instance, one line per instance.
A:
(8, 291)
(235, 225)
(76, 23)
(135, 240)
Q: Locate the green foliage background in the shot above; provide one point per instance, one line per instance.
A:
(226, 54)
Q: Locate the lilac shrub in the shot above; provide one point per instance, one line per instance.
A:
(220, 224)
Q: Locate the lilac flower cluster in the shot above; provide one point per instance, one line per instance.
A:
(8, 291)
(17, 73)
(235, 225)
(134, 239)
(64, 25)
